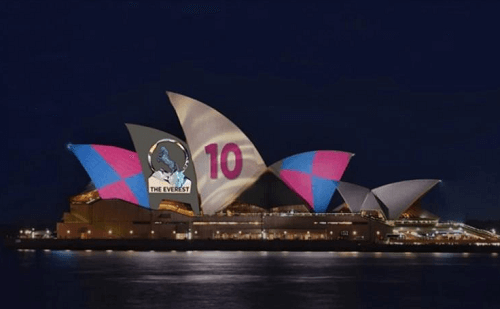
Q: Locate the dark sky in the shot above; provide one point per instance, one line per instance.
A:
(411, 87)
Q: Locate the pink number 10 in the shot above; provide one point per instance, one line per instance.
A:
(229, 147)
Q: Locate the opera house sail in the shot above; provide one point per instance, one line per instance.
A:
(115, 172)
(226, 161)
(167, 167)
(313, 175)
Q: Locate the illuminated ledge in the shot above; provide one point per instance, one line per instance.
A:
(336, 223)
(176, 207)
(227, 223)
(85, 198)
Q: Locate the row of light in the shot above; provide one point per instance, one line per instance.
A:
(131, 232)
(196, 232)
(378, 254)
(28, 231)
(111, 232)
(308, 232)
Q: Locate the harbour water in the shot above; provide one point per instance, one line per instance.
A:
(211, 279)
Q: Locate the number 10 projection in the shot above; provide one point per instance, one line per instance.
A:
(229, 173)
(225, 160)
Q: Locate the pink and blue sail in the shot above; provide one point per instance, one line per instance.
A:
(115, 172)
(313, 175)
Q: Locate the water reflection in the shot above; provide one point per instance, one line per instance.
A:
(213, 279)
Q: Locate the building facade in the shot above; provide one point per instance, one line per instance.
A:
(215, 185)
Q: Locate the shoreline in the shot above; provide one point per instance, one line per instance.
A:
(237, 245)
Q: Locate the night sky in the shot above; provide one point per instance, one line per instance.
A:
(411, 87)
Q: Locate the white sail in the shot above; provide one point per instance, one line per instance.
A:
(353, 195)
(399, 196)
(226, 161)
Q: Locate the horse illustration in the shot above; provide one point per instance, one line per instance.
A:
(165, 158)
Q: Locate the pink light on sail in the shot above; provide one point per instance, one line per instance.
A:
(330, 164)
(300, 183)
(124, 162)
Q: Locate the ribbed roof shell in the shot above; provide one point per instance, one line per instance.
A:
(208, 131)
(399, 196)
(371, 203)
(353, 195)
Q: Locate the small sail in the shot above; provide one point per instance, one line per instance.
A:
(371, 203)
(115, 172)
(225, 160)
(353, 195)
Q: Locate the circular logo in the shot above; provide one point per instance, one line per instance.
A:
(175, 176)
(165, 158)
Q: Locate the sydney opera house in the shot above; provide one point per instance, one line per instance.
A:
(215, 185)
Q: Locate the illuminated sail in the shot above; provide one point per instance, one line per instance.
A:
(116, 172)
(225, 160)
(167, 167)
(314, 175)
